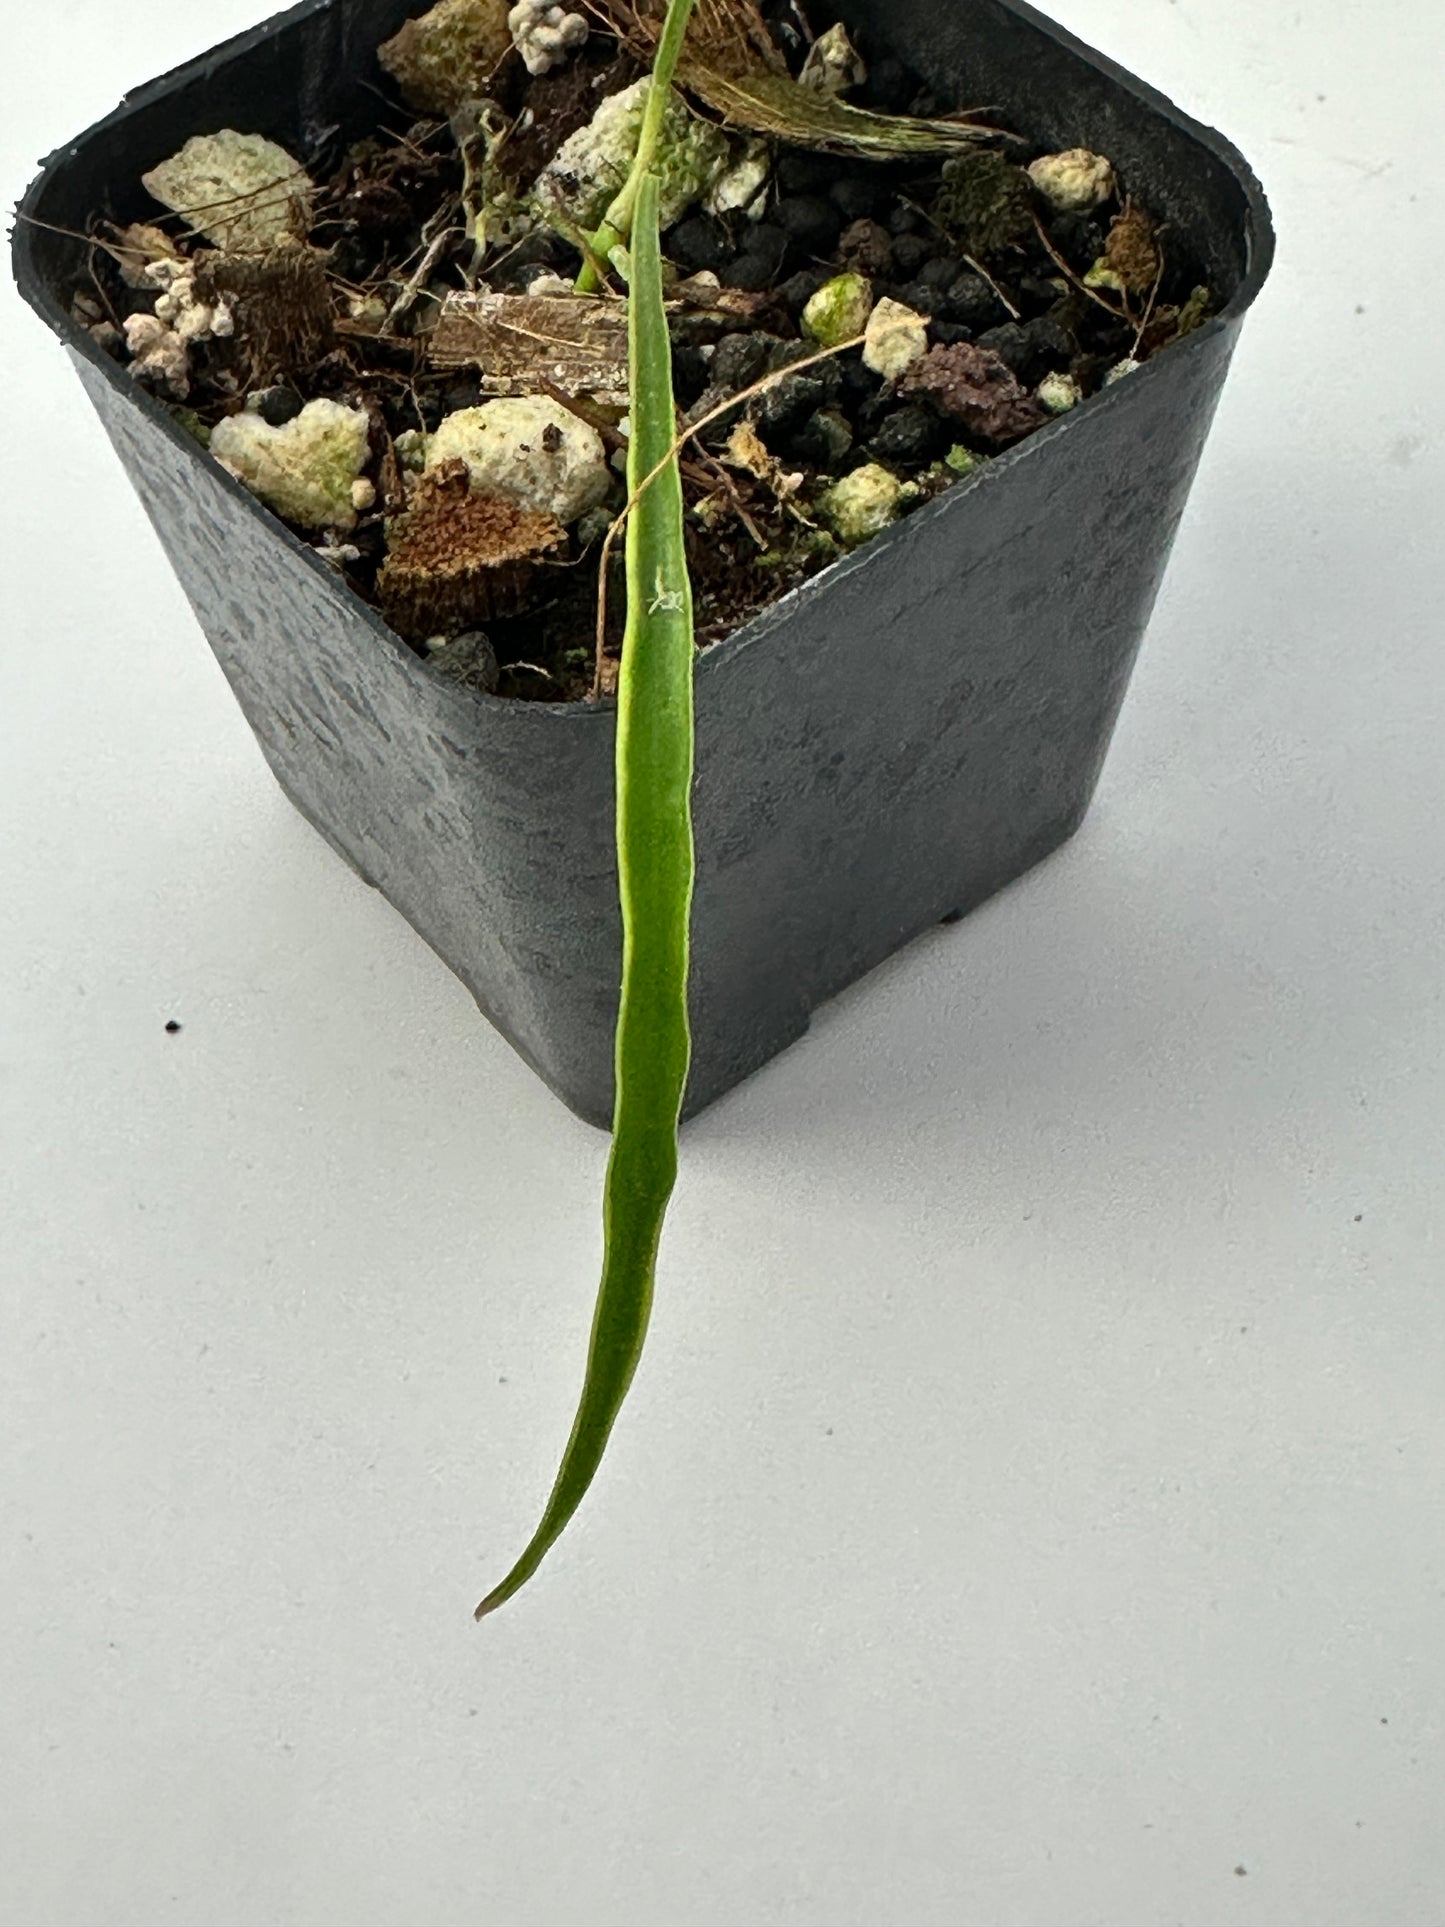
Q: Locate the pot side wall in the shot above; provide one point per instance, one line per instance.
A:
(882, 749)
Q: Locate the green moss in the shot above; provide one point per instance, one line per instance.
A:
(188, 419)
(839, 310)
(986, 201)
(963, 461)
(1194, 313)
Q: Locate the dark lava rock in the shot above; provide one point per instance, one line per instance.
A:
(871, 413)
(1011, 344)
(782, 409)
(1035, 294)
(541, 249)
(856, 196)
(276, 406)
(923, 298)
(1031, 349)
(760, 261)
(740, 360)
(904, 220)
(909, 437)
(544, 246)
(691, 372)
(750, 272)
(805, 174)
(811, 223)
(697, 243)
(867, 248)
(947, 333)
(941, 272)
(889, 86)
(798, 289)
(910, 251)
(824, 439)
(1078, 238)
(859, 384)
(1052, 341)
(468, 658)
(973, 302)
(464, 392)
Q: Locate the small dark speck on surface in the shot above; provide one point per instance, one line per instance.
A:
(171, 1027)
(1241, 1871)
(1359, 1217)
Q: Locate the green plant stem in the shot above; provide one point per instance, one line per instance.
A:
(655, 872)
(617, 221)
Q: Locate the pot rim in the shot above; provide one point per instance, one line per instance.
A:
(1259, 249)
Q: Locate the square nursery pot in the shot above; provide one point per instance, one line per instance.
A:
(880, 750)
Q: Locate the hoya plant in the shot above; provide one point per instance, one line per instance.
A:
(654, 762)
(309, 334)
(654, 838)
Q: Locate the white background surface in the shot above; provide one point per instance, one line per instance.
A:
(1029, 1511)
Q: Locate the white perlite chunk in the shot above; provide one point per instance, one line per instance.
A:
(529, 450)
(862, 503)
(583, 177)
(1060, 393)
(158, 355)
(896, 337)
(1074, 181)
(178, 308)
(740, 189)
(305, 470)
(833, 64)
(240, 190)
(544, 35)
(1120, 369)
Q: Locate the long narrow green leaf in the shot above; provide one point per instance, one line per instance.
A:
(655, 869)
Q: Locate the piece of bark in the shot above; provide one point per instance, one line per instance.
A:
(525, 344)
(282, 307)
(458, 560)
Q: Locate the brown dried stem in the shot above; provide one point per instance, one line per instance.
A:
(1120, 314)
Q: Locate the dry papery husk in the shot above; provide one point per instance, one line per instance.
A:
(729, 61)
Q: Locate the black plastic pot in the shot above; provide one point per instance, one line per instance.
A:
(879, 751)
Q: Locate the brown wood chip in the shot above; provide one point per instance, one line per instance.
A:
(457, 560)
(526, 343)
